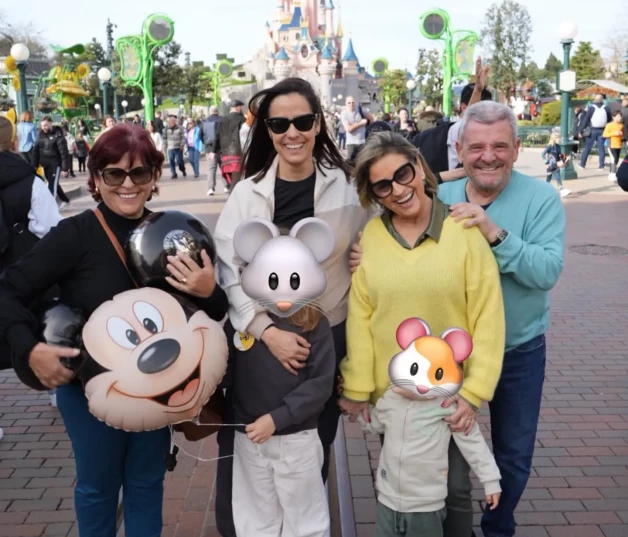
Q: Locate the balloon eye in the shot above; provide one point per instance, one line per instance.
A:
(414, 369)
(132, 336)
(273, 281)
(439, 374)
(295, 281)
(150, 325)
(149, 316)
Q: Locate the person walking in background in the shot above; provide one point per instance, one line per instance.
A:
(26, 135)
(69, 139)
(210, 126)
(554, 162)
(174, 142)
(578, 118)
(83, 129)
(355, 124)
(155, 136)
(51, 152)
(592, 130)
(614, 133)
(245, 129)
(406, 125)
(227, 143)
(81, 149)
(158, 123)
(194, 145)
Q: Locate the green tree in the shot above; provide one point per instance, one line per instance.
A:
(543, 88)
(429, 74)
(506, 35)
(195, 82)
(587, 62)
(530, 71)
(552, 66)
(395, 80)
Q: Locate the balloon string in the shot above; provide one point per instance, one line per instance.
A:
(173, 444)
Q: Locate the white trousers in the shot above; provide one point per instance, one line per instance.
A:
(278, 489)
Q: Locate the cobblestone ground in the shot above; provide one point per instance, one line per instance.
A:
(579, 483)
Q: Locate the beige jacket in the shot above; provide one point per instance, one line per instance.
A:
(335, 201)
(413, 463)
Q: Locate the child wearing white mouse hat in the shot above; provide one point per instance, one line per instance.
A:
(413, 464)
(278, 455)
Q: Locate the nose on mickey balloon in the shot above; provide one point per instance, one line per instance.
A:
(159, 361)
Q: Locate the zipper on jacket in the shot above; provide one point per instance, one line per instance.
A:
(403, 441)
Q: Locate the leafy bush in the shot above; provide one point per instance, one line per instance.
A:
(551, 113)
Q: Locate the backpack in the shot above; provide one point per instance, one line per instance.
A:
(599, 119)
(209, 131)
(433, 146)
(15, 237)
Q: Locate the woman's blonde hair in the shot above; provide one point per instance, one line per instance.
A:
(554, 137)
(26, 116)
(7, 135)
(378, 145)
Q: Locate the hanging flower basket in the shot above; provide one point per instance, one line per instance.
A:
(6, 105)
(46, 105)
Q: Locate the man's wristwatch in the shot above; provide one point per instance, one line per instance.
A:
(501, 237)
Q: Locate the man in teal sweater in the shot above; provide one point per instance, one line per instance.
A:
(523, 220)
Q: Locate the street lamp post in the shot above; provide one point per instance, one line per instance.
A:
(411, 85)
(104, 75)
(20, 54)
(567, 31)
(97, 108)
(124, 105)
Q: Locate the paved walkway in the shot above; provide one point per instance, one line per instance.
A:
(579, 486)
(579, 483)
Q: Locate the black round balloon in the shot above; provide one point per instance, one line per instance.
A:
(163, 234)
(62, 326)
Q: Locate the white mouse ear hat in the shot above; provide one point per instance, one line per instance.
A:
(251, 235)
(317, 235)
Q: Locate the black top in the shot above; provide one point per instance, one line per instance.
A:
(51, 148)
(78, 256)
(294, 201)
(262, 386)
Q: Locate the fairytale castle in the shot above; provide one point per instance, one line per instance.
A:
(304, 40)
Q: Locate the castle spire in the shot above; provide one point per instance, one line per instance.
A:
(350, 55)
(339, 32)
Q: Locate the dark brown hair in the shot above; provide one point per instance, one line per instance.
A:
(112, 145)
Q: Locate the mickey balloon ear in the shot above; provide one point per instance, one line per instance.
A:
(317, 235)
(251, 235)
(411, 329)
(460, 342)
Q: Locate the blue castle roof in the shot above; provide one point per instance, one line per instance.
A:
(327, 53)
(282, 54)
(295, 22)
(350, 54)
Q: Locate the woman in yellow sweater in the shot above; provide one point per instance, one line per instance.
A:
(418, 262)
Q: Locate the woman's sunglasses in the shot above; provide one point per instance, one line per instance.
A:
(404, 176)
(280, 125)
(141, 175)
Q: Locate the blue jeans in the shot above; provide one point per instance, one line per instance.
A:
(515, 411)
(555, 175)
(108, 459)
(178, 155)
(596, 136)
(194, 156)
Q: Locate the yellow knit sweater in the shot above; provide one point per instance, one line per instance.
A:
(452, 283)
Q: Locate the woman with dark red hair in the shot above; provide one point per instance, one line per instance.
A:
(124, 167)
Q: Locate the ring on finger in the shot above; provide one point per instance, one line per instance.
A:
(183, 280)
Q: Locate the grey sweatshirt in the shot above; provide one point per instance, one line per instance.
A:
(262, 386)
(413, 463)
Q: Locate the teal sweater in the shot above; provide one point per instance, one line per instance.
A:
(531, 258)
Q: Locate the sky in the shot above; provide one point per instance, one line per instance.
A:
(379, 28)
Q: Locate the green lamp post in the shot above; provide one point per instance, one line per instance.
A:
(458, 53)
(223, 69)
(567, 83)
(136, 56)
(379, 67)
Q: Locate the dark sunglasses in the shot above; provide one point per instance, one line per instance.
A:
(404, 176)
(303, 123)
(141, 175)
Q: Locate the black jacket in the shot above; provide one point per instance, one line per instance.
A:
(622, 175)
(227, 139)
(51, 149)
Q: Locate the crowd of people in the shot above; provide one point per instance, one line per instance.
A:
(428, 223)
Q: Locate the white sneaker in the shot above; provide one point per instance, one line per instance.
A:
(564, 192)
(226, 190)
(64, 205)
(53, 399)
(612, 177)
(210, 192)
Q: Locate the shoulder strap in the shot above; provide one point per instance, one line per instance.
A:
(114, 241)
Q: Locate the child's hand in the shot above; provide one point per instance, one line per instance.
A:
(261, 430)
(493, 500)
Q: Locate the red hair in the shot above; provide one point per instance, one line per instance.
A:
(112, 145)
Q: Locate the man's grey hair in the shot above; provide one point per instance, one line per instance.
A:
(488, 113)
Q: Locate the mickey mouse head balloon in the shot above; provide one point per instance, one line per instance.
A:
(155, 360)
(164, 234)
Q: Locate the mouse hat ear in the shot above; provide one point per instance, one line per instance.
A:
(412, 329)
(317, 235)
(251, 235)
(460, 342)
